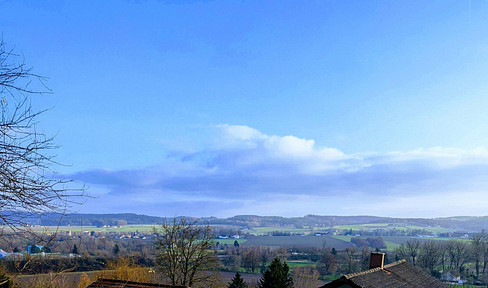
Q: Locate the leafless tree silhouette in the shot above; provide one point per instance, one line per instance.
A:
(29, 183)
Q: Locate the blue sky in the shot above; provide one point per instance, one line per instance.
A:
(218, 108)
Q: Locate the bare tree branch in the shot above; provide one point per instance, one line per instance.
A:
(29, 183)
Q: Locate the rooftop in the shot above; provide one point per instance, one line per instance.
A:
(397, 274)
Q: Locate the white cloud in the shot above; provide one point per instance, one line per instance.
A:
(247, 171)
(262, 148)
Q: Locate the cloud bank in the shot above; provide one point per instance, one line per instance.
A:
(248, 172)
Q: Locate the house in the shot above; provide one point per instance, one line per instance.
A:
(34, 249)
(397, 274)
(7, 254)
(111, 283)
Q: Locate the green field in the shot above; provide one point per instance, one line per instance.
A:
(390, 226)
(297, 241)
(296, 264)
(390, 246)
(402, 239)
(230, 241)
(77, 229)
(393, 242)
(267, 230)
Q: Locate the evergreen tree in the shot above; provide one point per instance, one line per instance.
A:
(237, 282)
(75, 249)
(116, 250)
(277, 276)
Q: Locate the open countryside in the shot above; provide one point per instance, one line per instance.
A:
(243, 144)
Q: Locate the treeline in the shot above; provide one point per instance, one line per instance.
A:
(250, 221)
(443, 259)
(79, 220)
(393, 232)
(467, 259)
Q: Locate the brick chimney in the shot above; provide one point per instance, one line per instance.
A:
(376, 260)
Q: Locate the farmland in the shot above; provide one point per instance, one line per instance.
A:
(390, 226)
(305, 241)
(297, 241)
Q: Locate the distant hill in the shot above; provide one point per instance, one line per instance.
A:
(92, 219)
(458, 223)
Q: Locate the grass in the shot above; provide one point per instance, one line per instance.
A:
(402, 239)
(389, 226)
(342, 237)
(230, 241)
(297, 241)
(329, 278)
(390, 246)
(78, 229)
(299, 264)
(267, 230)
(149, 228)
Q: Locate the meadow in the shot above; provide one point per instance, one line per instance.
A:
(391, 226)
(297, 241)
(77, 229)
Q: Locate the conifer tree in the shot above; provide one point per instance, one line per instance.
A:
(237, 282)
(277, 275)
(116, 250)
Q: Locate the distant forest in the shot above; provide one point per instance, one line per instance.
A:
(460, 223)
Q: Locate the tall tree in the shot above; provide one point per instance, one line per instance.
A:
(477, 246)
(29, 184)
(116, 249)
(430, 255)
(251, 258)
(457, 252)
(237, 282)
(413, 247)
(277, 275)
(327, 262)
(75, 249)
(183, 251)
(350, 257)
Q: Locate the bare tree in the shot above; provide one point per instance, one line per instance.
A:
(30, 187)
(305, 277)
(327, 263)
(461, 249)
(350, 257)
(251, 258)
(477, 250)
(457, 252)
(413, 247)
(485, 255)
(29, 183)
(183, 252)
(401, 252)
(365, 254)
(430, 255)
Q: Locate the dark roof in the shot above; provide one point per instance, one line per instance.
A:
(398, 274)
(111, 283)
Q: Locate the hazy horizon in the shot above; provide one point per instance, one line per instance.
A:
(222, 108)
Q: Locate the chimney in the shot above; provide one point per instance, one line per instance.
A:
(376, 260)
